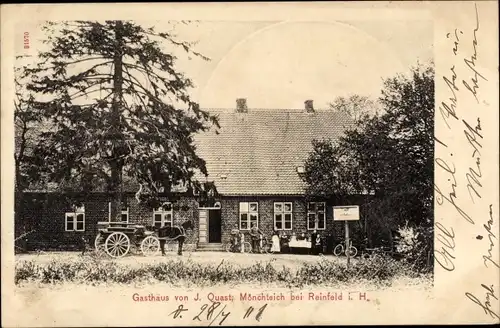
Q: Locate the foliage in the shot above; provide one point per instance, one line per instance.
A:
(359, 108)
(389, 156)
(111, 97)
(408, 240)
(379, 270)
(26, 120)
(331, 169)
(414, 244)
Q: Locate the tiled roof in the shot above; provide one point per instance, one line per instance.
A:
(258, 152)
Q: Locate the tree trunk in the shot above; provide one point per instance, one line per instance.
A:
(19, 185)
(391, 239)
(116, 163)
(116, 191)
(368, 234)
(18, 193)
(18, 215)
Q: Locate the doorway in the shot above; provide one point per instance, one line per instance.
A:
(214, 226)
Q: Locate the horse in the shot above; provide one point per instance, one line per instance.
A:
(174, 233)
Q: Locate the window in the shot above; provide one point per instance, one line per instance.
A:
(283, 216)
(249, 215)
(316, 218)
(163, 216)
(124, 216)
(75, 220)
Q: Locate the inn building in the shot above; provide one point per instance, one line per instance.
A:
(254, 163)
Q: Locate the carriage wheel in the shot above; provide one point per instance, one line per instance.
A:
(99, 243)
(117, 244)
(150, 246)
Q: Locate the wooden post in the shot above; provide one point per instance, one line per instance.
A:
(242, 248)
(348, 253)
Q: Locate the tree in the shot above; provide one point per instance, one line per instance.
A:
(110, 94)
(25, 121)
(389, 155)
(359, 108)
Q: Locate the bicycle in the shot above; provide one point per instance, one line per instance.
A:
(340, 249)
(231, 247)
(265, 245)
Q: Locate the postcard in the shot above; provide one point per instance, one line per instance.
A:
(230, 164)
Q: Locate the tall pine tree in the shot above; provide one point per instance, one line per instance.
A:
(112, 96)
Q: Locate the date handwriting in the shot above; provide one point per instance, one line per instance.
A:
(216, 313)
(258, 316)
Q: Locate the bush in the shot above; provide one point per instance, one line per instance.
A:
(414, 244)
(377, 269)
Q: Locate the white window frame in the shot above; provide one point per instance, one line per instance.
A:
(73, 216)
(122, 213)
(283, 212)
(245, 209)
(164, 213)
(316, 219)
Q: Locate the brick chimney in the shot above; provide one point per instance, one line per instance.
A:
(309, 106)
(241, 105)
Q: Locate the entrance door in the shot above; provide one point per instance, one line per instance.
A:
(214, 226)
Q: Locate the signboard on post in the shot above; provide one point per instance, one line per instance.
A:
(346, 213)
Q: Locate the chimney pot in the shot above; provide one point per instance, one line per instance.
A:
(241, 105)
(309, 106)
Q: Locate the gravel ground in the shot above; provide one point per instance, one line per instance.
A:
(289, 260)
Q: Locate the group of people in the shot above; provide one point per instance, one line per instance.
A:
(255, 239)
(317, 242)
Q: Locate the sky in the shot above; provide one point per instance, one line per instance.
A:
(280, 64)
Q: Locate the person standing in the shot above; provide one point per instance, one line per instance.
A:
(313, 242)
(255, 234)
(318, 244)
(275, 248)
(84, 244)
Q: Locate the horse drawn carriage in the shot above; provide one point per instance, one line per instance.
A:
(117, 238)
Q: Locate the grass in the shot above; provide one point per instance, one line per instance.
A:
(378, 270)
